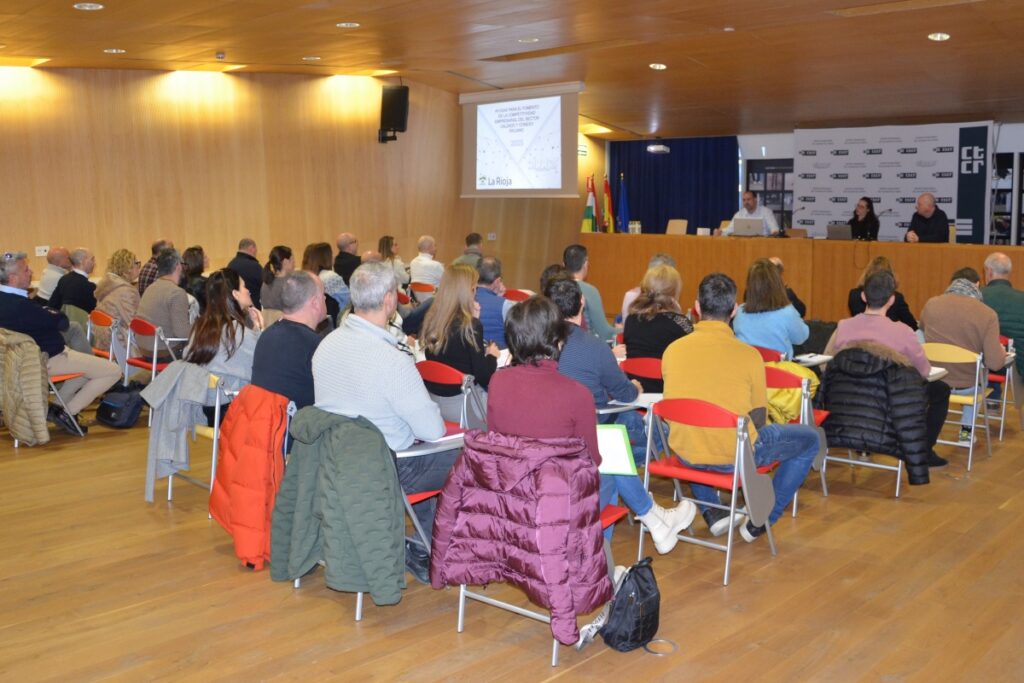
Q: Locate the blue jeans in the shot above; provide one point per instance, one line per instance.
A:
(794, 446)
(967, 418)
(630, 488)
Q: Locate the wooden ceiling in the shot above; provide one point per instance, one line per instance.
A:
(786, 64)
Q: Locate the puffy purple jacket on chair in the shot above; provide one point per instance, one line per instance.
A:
(526, 512)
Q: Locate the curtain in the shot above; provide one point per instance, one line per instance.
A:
(697, 180)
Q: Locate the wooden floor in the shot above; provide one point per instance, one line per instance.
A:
(95, 584)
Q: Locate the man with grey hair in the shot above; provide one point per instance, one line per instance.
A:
(165, 304)
(58, 263)
(929, 223)
(75, 289)
(659, 259)
(148, 273)
(347, 259)
(490, 294)
(283, 359)
(248, 268)
(45, 326)
(360, 369)
(1008, 303)
(424, 268)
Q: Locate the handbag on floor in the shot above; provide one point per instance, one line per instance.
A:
(633, 615)
(120, 409)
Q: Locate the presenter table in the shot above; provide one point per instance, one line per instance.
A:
(821, 272)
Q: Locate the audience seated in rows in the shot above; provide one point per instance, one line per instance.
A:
(575, 260)
(165, 305)
(424, 268)
(74, 288)
(283, 359)
(659, 259)
(655, 319)
(473, 252)
(279, 264)
(490, 294)
(766, 318)
(959, 317)
(118, 297)
(347, 259)
(870, 330)
(45, 325)
(899, 311)
(712, 365)
(800, 306)
(360, 370)
(387, 247)
(550, 389)
(58, 263)
(248, 268)
(148, 273)
(453, 334)
(1008, 303)
(194, 263)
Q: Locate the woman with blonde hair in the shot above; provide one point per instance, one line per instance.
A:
(767, 318)
(899, 312)
(453, 334)
(655, 318)
(118, 297)
(387, 247)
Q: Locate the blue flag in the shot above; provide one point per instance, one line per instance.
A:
(622, 220)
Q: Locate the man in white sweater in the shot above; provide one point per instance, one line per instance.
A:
(361, 370)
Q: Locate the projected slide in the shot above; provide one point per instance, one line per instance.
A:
(519, 145)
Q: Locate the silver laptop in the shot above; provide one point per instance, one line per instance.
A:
(748, 227)
(839, 231)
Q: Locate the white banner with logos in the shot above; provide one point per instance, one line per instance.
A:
(835, 167)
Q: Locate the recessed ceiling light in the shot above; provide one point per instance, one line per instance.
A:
(528, 40)
(728, 29)
(311, 58)
(938, 37)
(114, 51)
(657, 67)
(88, 6)
(347, 24)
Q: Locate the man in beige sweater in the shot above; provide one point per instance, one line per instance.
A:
(165, 304)
(959, 317)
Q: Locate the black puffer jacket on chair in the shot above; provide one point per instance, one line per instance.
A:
(877, 401)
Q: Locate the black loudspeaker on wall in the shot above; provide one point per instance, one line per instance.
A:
(394, 112)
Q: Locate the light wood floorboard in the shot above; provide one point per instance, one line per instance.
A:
(97, 585)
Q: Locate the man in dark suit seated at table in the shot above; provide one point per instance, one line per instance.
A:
(929, 223)
(74, 288)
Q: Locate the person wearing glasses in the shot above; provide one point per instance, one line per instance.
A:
(45, 326)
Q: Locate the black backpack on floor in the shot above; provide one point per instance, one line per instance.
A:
(633, 616)
(120, 409)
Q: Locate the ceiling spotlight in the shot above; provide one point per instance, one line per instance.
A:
(347, 24)
(728, 29)
(938, 37)
(528, 40)
(114, 51)
(88, 6)
(657, 67)
(311, 58)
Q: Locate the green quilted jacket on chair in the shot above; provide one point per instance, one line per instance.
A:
(23, 383)
(341, 502)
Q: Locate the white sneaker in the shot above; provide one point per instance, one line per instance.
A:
(665, 525)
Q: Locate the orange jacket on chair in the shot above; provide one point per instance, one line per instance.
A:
(250, 470)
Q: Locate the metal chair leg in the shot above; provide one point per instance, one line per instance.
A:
(554, 652)
(359, 606)
(462, 608)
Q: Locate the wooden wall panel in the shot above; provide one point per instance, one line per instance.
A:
(821, 272)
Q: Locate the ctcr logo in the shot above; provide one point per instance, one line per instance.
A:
(971, 160)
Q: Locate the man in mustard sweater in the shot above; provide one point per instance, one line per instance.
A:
(710, 364)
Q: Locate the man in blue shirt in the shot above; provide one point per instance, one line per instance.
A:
(494, 306)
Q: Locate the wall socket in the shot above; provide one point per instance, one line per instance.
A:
(43, 250)
(492, 236)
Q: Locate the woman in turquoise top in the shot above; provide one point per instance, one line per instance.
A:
(766, 318)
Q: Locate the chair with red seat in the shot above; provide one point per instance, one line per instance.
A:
(1006, 380)
(144, 328)
(770, 355)
(746, 478)
(421, 291)
(98, 318)
(646, 368)
(517, 295)
(403, 298)
(777, 378)
(53, 381)
(438, 373)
